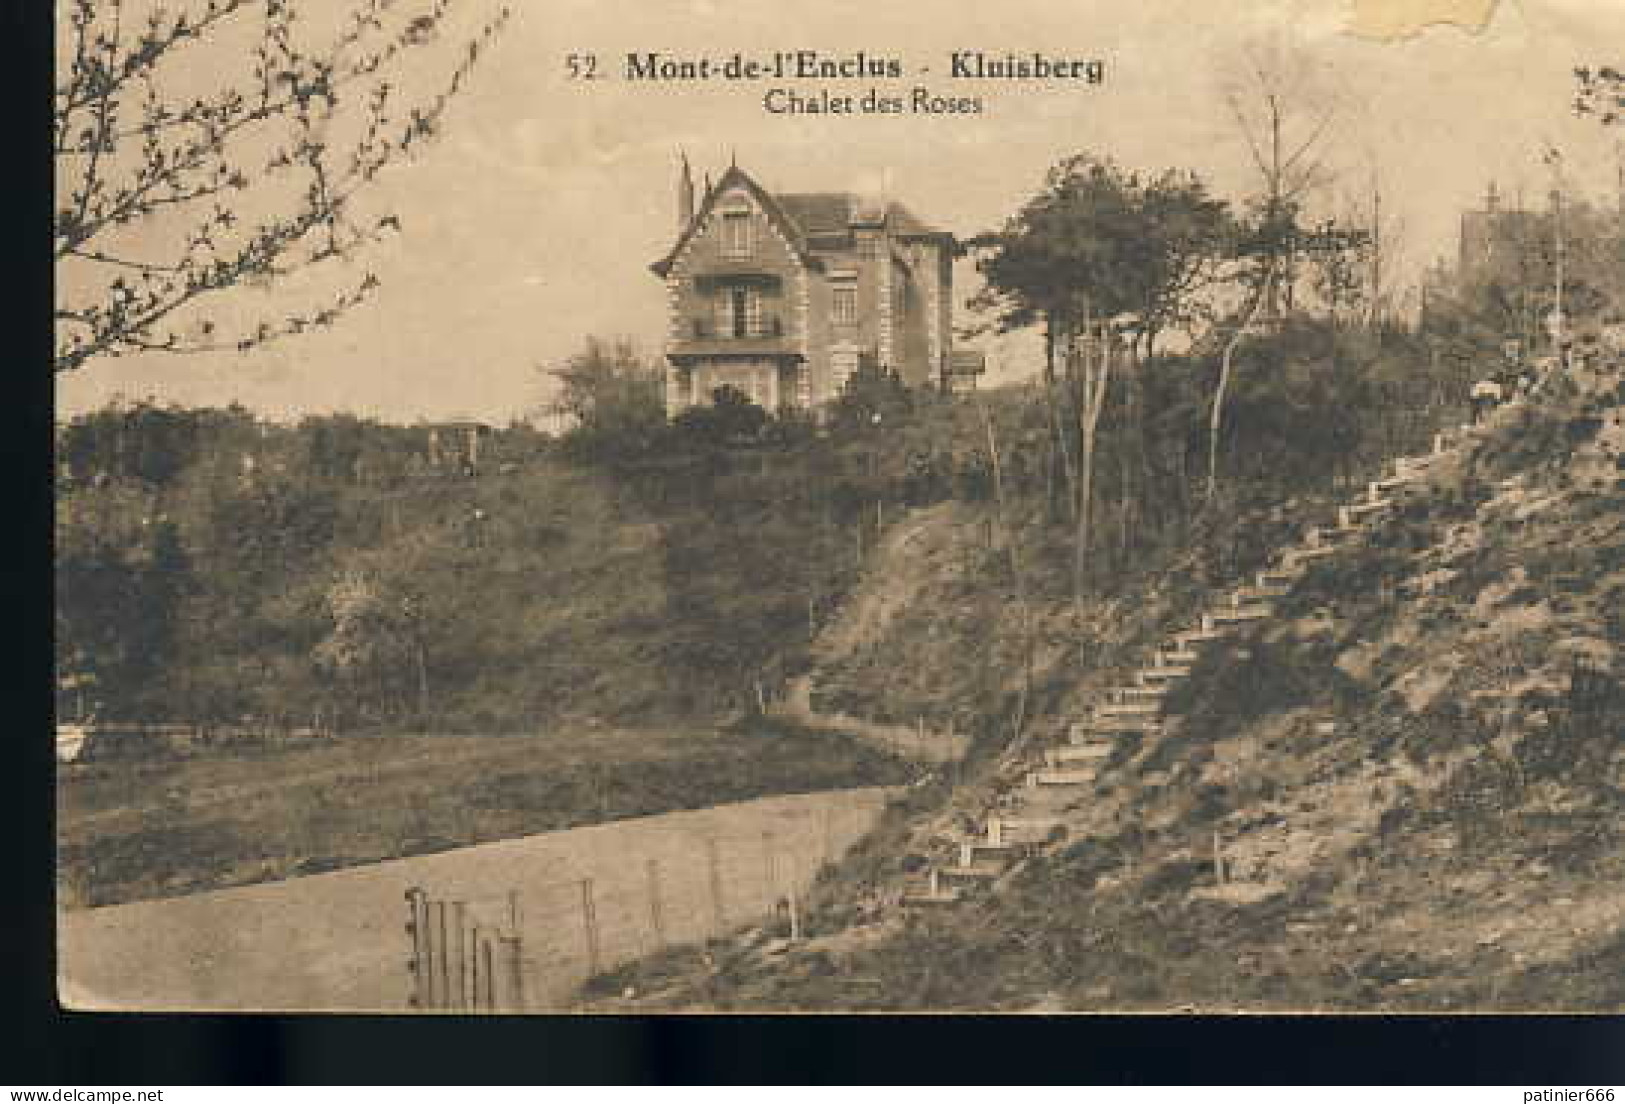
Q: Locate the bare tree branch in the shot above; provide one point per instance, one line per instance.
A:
(300, 138)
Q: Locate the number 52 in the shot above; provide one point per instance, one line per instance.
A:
(581, 66)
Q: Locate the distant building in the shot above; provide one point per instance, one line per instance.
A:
(785, 295)
(456, 444)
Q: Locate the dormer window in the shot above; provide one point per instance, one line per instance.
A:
(736, 234)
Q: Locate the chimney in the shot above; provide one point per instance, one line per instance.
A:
(685, 197)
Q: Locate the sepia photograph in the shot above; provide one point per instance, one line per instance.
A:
(1058, 506)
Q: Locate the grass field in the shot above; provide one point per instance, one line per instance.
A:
(130, 830)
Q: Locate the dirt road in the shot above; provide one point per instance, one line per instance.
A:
(335, 942)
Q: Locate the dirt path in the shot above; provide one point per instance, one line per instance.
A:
(920, 744)
(335, 942)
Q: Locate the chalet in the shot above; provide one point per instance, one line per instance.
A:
(785, 295)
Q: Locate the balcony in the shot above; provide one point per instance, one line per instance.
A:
(765, 327)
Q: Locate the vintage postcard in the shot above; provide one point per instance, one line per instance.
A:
(1048, 506)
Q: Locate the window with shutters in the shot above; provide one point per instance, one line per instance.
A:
(739, 313)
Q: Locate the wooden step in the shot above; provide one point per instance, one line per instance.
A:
(1022, 831)
(1094, 730)
(1241, 614)
(1323, 547)
(1179, 657)
(922, 900)
(1064, 758)
(1139, 723)
(1139, 693)
(1204, 635)
(1059, 757)
(1248, 594)
(983, 871)
(1050, 800)
(1005, 851)
(1304, 554)
(1359, 509)
(1281, 577)
(1128, 709)
(980, 854)
(1321, 537)
(932, 894)
(1061, 777)
(1162, 673)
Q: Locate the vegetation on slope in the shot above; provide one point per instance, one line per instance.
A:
(1412, 774)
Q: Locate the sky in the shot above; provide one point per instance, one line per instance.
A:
(531, 222)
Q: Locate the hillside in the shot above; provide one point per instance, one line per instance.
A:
(1411, 770)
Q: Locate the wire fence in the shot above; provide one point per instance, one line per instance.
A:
(533, 946)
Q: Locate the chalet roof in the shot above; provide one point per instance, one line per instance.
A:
(805, 215)
(820, 213)
(903, 221)
(769, 203)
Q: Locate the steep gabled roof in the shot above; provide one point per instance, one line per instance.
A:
(770, 206)
(800, 216)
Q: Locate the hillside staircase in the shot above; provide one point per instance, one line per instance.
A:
(1034, 812)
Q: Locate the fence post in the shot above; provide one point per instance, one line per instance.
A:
(828, 833)
(489, 972)
(476, 975)
(417, 965)
(769, 881)
(443, 948)
(795, 915)
(714, 862)
(1218, 859)
(516, 973)
(459, 993)
(655, 920)
(589, 923)
(431, 947)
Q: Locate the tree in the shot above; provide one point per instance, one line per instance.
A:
(376, 647)
(1335, 254)
(1283, 121)
(731, 417)
(610, 396)
(171, 193)
(1106, 260)
(1600, 93)
(1283, 131)
(872, 396)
